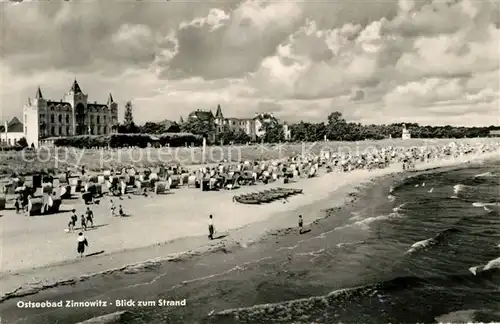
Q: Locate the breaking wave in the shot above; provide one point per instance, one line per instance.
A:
(440, 237)
(339, 302)
(493, 264)
(456, 190)
(484, 175)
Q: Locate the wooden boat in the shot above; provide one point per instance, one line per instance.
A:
(266, 196)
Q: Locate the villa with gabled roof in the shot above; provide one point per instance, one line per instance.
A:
(253, 126)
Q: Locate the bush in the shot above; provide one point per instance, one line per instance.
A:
(22, 142)
(180, 139)
(129, 140)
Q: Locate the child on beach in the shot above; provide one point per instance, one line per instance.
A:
(112, 207)
(84, 223)
(120, 211)
(81, 244)
(301, 224)
(90, 217)
(211, 227)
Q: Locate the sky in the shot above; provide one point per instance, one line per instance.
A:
(377, 61)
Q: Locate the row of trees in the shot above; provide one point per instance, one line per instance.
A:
(335, 128)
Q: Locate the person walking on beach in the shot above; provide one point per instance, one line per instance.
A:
(211, 229)
(90, 217)
(81, 244)
(17, 205)
(301, 224)
(83, 222)
(72, 220)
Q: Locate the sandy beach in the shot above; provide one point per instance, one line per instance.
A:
(49, 254)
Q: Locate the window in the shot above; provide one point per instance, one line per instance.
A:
(52, 119)
(60, 130)
(52, 131)
(105, 119)
(60, 118)
(25, 119)
(105, 129)
(67, 130)
(91, 119)
(98, 119)
(67, 118)
(25, 130)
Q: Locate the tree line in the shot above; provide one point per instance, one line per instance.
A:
(335, 128)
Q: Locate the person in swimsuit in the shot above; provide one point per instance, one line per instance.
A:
(301, 224)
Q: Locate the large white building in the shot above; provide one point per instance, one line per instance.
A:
(253, 126)
(72, 115)
(406, 133)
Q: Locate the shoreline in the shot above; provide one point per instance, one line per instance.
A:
(133, 260)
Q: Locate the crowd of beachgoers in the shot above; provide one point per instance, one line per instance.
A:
(228, 175)
(231, 175)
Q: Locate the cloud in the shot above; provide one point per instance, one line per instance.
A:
(230, 44)
(421, 57)
(373, 61)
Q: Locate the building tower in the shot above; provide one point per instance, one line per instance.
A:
(219, 120)
(78, 101)
(112, 114)
(34, 121)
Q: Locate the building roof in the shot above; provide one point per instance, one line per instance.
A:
(239, 119)
(14, 126)
(202, 115)
(76, 87)
(167, 124)
(38, 93)
(62, 103)
(219, 114)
